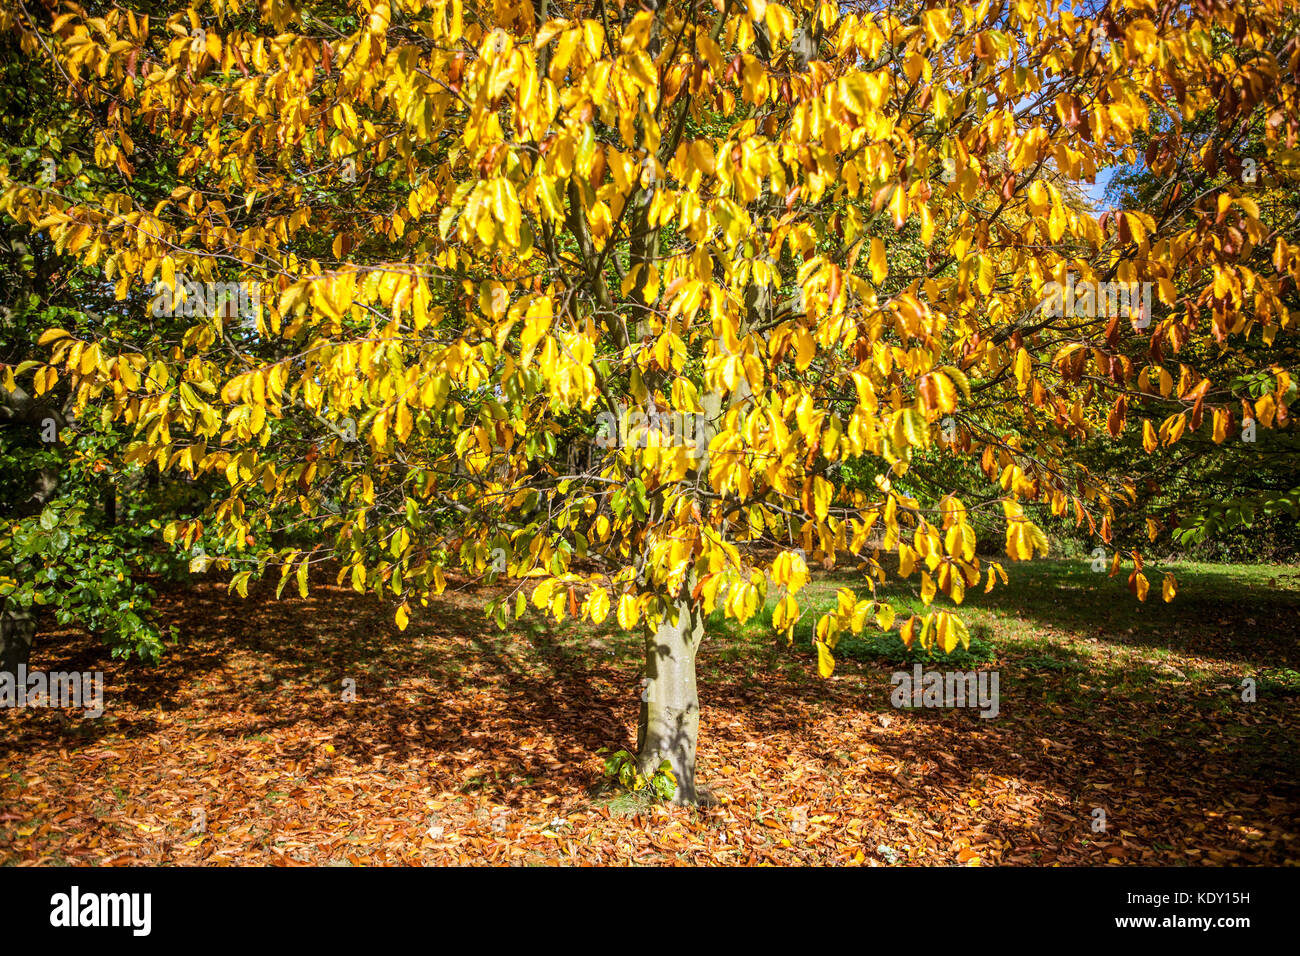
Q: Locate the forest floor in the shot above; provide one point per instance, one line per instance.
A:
(468, 744)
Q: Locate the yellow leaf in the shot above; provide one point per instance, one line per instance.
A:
(822, 491)
(986, 277)
(1170, 587)
(825, 662)
(956, 584)
(790, 569)
(598, 605)
(1024, 369)
(1221, 421)
(52, 335)
(1056, 223)
(906, 561)
(785, 613)
(960, 541)
(908, 631)
(628, 613)
(898, 207)
(948, 636)
(962, 633)
(938, 26)
(1039, 200)
(879, 267)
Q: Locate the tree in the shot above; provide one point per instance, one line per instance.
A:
(1234, 475)
(655, 306)
(65, 556)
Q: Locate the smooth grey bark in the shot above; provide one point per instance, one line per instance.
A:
(669, 725)
(670, 706)
(17, 629)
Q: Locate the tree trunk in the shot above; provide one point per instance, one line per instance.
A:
(17, 628)
(110, 502)
(670, 708)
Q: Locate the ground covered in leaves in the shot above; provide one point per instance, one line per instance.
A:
(465, 744)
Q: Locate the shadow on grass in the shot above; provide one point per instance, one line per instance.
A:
(1241, 614)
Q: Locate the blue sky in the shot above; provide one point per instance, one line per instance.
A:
(1096, 192)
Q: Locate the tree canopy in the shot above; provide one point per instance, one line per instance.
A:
(651, 307)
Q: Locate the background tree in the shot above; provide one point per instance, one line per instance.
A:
(1232, 491)
(77, 530)
(816, 236)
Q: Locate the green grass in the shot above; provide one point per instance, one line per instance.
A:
(1055, 623)
(1061, 617)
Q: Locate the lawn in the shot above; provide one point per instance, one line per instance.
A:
(467, 744)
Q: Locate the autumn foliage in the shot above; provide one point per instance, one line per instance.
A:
(824, 232)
